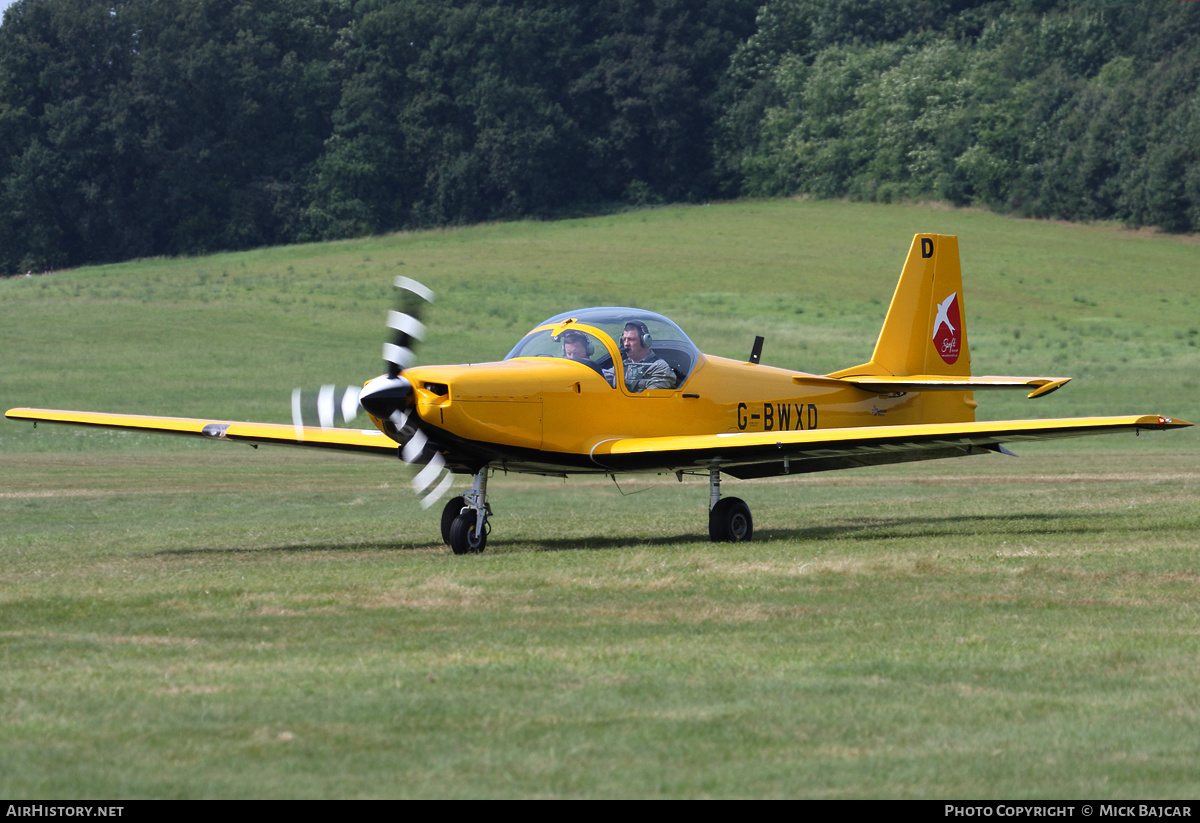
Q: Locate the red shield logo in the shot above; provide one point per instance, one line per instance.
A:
(947, 329)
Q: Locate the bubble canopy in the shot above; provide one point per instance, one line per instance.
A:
(669, 341)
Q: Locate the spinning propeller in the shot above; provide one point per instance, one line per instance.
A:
(390, 397)
(327, 407)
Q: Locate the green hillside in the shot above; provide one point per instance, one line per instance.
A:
(230, 335)
(185, 619)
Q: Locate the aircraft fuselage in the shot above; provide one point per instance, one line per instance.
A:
(549, 415)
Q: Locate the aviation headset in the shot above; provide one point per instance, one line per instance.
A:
(640, 327)
(571, 336)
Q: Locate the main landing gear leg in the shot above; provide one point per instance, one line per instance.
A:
(467, 531)
(729, 518)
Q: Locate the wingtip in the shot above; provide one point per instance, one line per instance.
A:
(1158, 421)
(25, 414)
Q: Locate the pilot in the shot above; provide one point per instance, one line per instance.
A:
(643, 368)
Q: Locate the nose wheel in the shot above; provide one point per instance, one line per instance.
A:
(465, 519)
(450, 513)
(466, 535)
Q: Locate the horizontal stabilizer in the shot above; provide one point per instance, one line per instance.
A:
(1040, 386)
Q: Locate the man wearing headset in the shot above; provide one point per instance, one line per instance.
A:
(576, 346)
(643, 368)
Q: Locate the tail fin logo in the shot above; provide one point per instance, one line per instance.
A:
(947, 336)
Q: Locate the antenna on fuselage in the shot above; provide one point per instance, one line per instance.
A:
(756, 352)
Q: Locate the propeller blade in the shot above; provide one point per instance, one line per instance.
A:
(433, 478)
(350, 404)
(327, 411)
(407, 325)
(432, 481)
(411, 452)
(389, 398)
(439, 492)
(297, 414)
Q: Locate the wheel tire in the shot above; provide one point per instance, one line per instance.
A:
(730, 521)
(453, 508)
(463, 538)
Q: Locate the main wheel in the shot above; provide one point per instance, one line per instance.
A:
(464, 539)
(453, 508)
(729, 521)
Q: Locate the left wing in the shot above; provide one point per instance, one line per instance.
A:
(767, 454)
(370, 441)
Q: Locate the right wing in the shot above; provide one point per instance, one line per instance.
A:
(368, 441)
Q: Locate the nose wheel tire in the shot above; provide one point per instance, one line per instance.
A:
(453, 508)
(464, 538)
(730, 522)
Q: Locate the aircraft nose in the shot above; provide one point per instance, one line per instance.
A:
(384, 396)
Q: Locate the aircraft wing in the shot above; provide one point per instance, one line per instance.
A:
(768, 454)
(369, 441)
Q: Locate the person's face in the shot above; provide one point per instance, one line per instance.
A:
(575, 350)
(632, 342)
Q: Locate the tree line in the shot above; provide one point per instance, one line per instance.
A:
(147, 127)
(1074, 110)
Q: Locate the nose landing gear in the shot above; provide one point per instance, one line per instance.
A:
(465, 519)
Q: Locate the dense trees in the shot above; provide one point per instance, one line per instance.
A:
(141, 127)
(1072, 110)
(137, 128)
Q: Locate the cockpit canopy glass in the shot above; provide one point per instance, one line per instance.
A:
(667, 340)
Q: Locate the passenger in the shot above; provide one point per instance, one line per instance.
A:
(643, 368)
(577, 346)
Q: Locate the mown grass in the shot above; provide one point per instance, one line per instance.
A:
(185, 619)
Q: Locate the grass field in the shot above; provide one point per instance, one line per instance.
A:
(183, 619)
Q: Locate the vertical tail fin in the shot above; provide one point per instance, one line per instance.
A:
(925, 332)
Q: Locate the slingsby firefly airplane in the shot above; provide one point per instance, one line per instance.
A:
(570, 399)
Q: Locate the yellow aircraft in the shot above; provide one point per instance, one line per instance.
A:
(615, 390)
